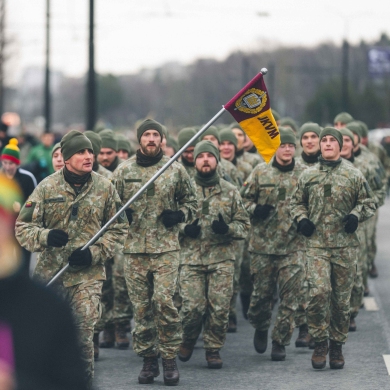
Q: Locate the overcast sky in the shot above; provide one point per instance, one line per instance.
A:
(133, 34)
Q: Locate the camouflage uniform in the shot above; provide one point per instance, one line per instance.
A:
(104, 172)
(252, 159)
(52, 205)
(227, 170)
(152, 252)
(276, 249)
(325, 195)
(207, 265)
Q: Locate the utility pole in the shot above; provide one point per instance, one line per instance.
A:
(2, 55)
(47, 97)
(91, 82)
(344, 76)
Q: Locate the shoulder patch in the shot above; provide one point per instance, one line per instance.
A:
(27, 211)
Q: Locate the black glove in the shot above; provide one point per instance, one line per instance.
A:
(57, 238)
(352, 223)
(306, 227)
(262, 211)
(220, 227)
(171, 218)
(79, 257)
(193, 229)
(129, 214)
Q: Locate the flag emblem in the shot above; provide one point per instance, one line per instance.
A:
(252, 101)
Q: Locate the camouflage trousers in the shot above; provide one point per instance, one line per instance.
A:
(300, 314)
(245, 274)
(122, 311)
(151, 281)
(107, 300)
(331, 276)
(206, 291)
(361, 270)
(238, 250)
(84, 300)
(268, 271)
(371, 239)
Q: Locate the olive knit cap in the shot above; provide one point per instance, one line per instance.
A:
(363, 127)
(228, 135)
(212, 130)
(185, 135)
(287, 136)
(206, 146)
(355, 128)
(172, 143)
(333, 132)
(123, 143)
(276, 115)
(108, 139)
(95, 139)
(309, 127)
(55, 147)
(149, 124)
(289, 122)
(73, 142)
(345, 131)
(343, 117)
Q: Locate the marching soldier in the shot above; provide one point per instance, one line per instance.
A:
(207, 257)
(152, 250)
(332, 197)
(59, 218)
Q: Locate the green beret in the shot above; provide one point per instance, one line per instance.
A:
(108, 139)
(289, 122)
(343, 117)
(287, 136)
(348, 133)
(123, 143)
(73, 142)
(206, 146)
(149, 124)
(333, 132)
(95, 139)
(355, 128)
(212, 130)
(185, 135)
(309, 127)
(363, 127)
(276, 115)
(55, 147)
(228, 135)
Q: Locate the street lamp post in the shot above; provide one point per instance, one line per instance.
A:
(47, 102)
(91, 82)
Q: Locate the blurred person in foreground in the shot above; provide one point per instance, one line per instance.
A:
(38, 343)
(10, 160)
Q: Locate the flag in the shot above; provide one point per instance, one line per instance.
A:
(251, 108)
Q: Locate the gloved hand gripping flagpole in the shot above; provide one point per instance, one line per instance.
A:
(146, 185)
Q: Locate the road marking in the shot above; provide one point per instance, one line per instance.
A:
(387, 362)
(370, 304)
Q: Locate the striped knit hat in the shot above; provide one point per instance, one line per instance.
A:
(11, 152)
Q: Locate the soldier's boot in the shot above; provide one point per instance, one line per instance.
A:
(171, 372)
(373, 272)
(122, 341)
(213, 359)
(312, 343)
(318, 359)
(278, 352)
(108, 337)
(185, 351)
(232, 327)
(352, 325)
(260, 340)
(96, 346)
(128, 327)
(149, 370)
(336, 358)
(366, 291)
(245, 301)
(303, 337)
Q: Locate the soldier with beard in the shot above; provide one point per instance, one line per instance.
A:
(207, 257)
(187, 158)
(152, 250)
(108, 155)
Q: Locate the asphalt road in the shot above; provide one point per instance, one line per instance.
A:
(243, 368)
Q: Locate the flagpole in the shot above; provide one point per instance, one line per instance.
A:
(143, 189)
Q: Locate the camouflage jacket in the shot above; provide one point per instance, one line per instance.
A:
(277, 234)
(244, 170)
(325, 195)
(209, 247)
(381, 153)
(252, 159)
(189, 169)
(171, 191)
(229, 172)
(55, 205)
(104, 172)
